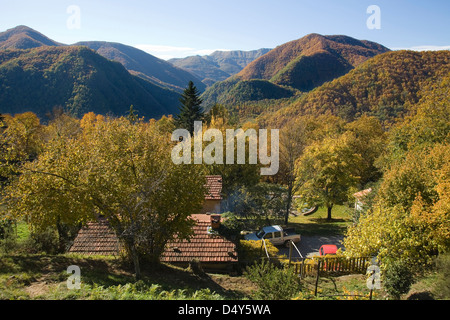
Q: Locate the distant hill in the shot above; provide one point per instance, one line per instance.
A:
(311, 61)
(297, 66)
(219, 65)
(384, 86)
(145, 65)
(79, 80)
(136, 61)
(234, 91)
(23, 37)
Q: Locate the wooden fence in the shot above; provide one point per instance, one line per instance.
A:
(331, 265)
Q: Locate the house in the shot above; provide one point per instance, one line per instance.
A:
(213, 251)
(359, 198)
(213, 196)
(96, 238)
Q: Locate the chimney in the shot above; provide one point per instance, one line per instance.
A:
(215, 221)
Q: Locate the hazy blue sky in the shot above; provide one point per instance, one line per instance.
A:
(175, 28)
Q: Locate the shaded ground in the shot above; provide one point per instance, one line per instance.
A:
(37, 276)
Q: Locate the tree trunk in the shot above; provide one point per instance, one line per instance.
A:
(329, 212)
(288, 205)
(131, 249)
(137, 268)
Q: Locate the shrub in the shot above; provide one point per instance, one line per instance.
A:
(44, 241)
(253, 250)
(273, 283)
(398, 279)
(8, 239)
(443, 282)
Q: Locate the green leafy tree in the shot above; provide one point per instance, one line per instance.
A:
(191, 109)
(326, 171)
(132, 115)
(262, 202)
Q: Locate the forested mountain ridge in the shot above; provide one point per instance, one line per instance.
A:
(294, 67)
(23, 37)
(384, 86)
(136, 61)
(311, 60)
(219, 65)
(144, 65)
(77, 79)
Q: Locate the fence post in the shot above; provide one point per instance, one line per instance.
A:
(317, 278)
(290, 252)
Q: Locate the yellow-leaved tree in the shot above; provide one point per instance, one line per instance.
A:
(410, 220)
(118, 169)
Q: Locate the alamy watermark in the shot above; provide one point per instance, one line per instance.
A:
(74, 281)
(374, 20)
(374, 279)
(74, 20)
(213, 152)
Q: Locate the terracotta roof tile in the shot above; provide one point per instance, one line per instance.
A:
(202, 246)
(96, 238)
(214, 188)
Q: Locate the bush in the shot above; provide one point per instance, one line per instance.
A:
(45, 241)
(442, 288)
(253, 250)
(398, 279)
(8, 239)
(273, 283)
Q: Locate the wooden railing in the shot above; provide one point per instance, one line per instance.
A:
(327, 264)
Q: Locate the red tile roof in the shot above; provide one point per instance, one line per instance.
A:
(202, 246)
(96, 238)
(214, 188)
(362, 194)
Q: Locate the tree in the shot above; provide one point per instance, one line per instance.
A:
(190, 109)
(21, 139)
(293, 140)
(117, 169)
(410, 216)
(3, 150)
(132, 115)
(234, 175)
(326, 171)
(261, 202)
(368, 141)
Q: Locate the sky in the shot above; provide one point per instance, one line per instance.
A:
(180, 28)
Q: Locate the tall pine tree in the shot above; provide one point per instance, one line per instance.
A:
(190, 109)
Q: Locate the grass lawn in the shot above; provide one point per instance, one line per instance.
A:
(317, 223)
